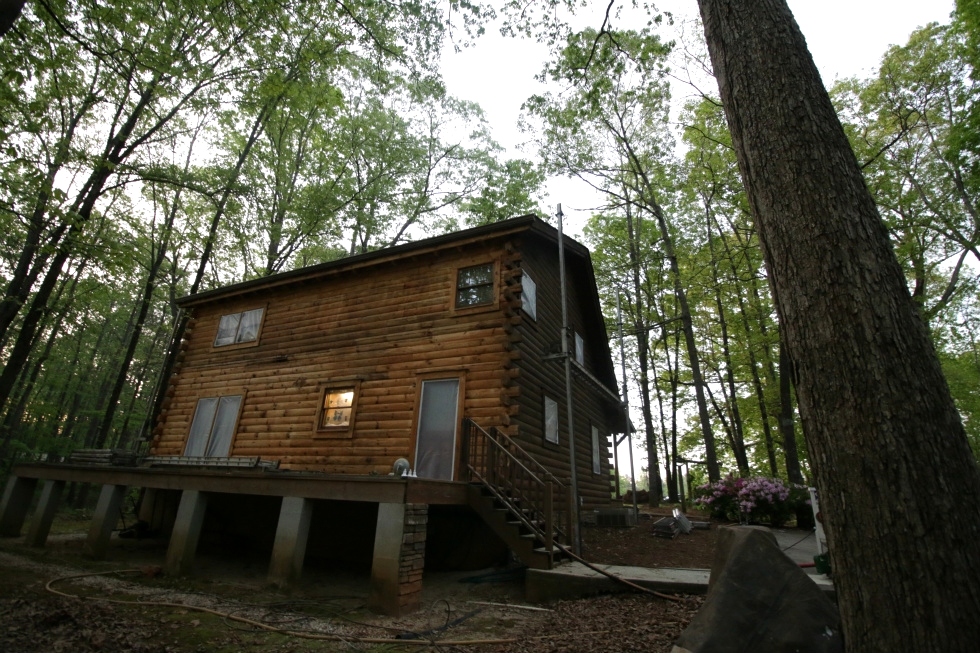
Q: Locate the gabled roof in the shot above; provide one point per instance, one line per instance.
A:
(529, 223)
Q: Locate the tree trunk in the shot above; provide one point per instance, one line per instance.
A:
(787, 427)
(173, 351)
(899, 486)
(640, 324)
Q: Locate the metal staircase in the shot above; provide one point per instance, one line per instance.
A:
(521, 501)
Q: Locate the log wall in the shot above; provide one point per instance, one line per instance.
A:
(385, 327)
(538, 377)
(382, 326)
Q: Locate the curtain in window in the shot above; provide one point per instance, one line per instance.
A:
(224, 426)
(435, 452)
(248, 330)
(197, 441)
(550, 420)
(227, 329)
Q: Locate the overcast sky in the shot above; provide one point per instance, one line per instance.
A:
(846, 37)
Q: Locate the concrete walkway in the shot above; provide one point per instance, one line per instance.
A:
(574, 580)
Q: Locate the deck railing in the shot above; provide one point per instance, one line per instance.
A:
(531, 492)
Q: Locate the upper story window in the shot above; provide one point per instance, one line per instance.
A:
(529, 296)
(474, 286)
(579, 349)
(237, 328)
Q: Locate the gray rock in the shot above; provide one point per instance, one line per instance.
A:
(760, 601)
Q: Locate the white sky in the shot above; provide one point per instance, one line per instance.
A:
(847, 38)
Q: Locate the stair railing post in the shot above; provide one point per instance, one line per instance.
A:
(491, 462)
(467, 435)
(549, 518)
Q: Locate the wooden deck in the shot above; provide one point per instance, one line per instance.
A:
(309, 485)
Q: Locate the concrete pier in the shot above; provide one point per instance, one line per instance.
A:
(292, 534)
(186, 533)
(104, 521)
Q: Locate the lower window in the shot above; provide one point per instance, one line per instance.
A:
(596, 457)
(338, 404)
(550, 420)
(213, 427)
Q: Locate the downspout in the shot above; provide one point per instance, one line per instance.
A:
(576, 512)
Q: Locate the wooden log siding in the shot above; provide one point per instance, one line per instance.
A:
(539, 377)
(383, 325)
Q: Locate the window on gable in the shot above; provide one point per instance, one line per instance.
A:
(579, 349)
(529, 296)
(336, 410)
(596, 459)
(213, 426)
(550, 420)
(474, 286)
(237, 328)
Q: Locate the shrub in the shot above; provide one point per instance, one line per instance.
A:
(755, 499)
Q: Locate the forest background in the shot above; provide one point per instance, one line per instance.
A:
(153, 149)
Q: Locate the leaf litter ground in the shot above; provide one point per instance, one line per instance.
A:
(329, 602)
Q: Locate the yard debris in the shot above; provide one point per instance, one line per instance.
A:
(666, 527)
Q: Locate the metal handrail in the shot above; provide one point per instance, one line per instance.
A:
(505, 469)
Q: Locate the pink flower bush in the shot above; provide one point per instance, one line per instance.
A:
(755, 499)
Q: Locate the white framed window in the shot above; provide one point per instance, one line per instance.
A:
(236, 328)
(529, 296)
(579, 349)
(550, 420)
(596, 451)
(213, 426)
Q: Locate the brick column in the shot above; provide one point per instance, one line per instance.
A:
(412, 557)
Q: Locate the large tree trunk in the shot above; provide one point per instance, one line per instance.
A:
(899, 486)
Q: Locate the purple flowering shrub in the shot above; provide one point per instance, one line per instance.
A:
(755, 499)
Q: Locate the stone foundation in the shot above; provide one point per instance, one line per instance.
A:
(412, 559)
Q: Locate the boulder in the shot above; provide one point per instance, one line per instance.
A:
(760, 600)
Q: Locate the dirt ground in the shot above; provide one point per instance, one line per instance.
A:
(226, 606)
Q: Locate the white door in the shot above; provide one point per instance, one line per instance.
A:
(435, 447)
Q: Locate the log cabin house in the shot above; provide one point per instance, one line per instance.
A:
(299, 400)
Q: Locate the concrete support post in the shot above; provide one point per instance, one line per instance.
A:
(105, 519)
(399, 556)
(387, 551)
(37, 534)
(16, 502)
(186, 533)
(292, 532)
